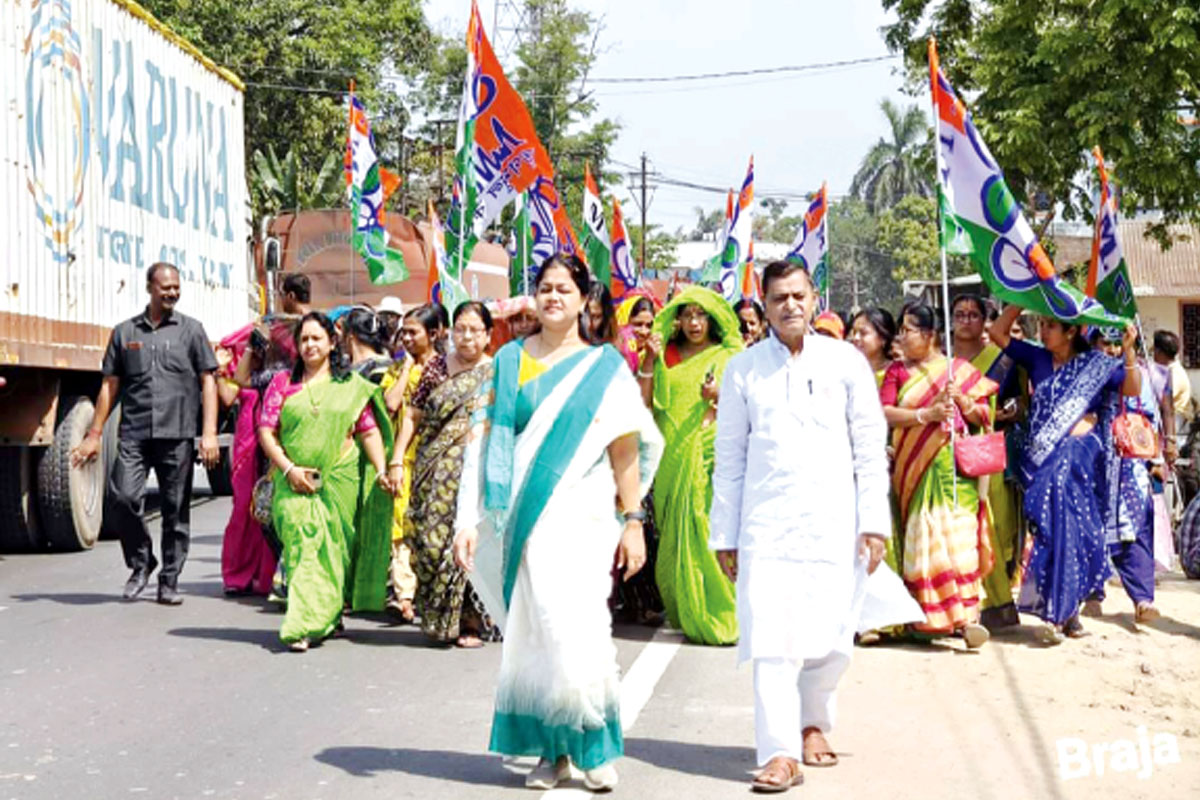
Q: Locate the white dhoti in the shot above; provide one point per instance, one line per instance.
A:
(790, 696)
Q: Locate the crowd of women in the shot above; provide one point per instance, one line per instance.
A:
(354, 428)
(460, 471)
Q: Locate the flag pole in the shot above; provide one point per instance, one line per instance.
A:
(523, 244)
(353, 209)
(828, 249)
(942, 244)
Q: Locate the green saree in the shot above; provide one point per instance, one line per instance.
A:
(336, 542)
(698, 598)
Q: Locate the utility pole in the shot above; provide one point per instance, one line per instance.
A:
(438, 148)
(643, 209)
(642, 192)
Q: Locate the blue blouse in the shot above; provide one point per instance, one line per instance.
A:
(1039, 363)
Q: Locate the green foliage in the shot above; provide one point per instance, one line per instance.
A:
(860, 274)
(708, 224)
(555, 59)
(774, 226)
(278, 186)
(900, 163)
(908, 235)
(298, 57)
(1047, 82)
(660, 247)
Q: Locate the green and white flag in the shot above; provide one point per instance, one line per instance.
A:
(982, 218)
(597, 250)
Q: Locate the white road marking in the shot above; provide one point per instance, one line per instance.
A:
(637, 687)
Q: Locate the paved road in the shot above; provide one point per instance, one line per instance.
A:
(105, 699)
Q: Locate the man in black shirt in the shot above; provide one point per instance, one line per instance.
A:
(154, 364)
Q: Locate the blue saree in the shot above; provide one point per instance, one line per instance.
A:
(1070, 486)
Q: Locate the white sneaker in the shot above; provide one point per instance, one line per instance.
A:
(546, 775)
(601, 779)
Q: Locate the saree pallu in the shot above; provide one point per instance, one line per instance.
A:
(548, 533)
(697, 597)
(247, 560)
(945, 533)
(335, 541)
(1068, 500)
(443, 593)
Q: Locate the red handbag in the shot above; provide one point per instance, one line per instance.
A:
(1134, 436)
(981, 455)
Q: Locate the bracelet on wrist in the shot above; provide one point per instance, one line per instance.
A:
(642, 374)
(290, 467)
(93, 433)
(634, 516)
(919, 420)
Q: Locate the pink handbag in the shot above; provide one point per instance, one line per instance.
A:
(981, 455)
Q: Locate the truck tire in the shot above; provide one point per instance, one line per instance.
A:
(71, 501)
(19, 531)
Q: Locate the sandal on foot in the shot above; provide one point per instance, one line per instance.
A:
(299, 646)
(1074, 629)
(546, 775)
(780, 774)
(468, 641)
(1146, 612)
(975, 635)
(819, 754)
(1092, 608)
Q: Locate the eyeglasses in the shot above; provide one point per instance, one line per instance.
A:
(968, 316)
(469, 332)
(688, 316)
(905, 330)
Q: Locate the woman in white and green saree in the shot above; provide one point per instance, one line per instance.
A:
(565, 433)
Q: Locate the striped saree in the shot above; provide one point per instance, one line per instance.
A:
(945, 533)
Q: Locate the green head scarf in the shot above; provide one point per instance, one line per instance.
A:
(728, 329)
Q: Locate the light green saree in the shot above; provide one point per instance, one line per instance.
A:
(336, 542)
(699, 599)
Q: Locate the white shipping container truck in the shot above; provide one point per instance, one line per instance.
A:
(120, 145)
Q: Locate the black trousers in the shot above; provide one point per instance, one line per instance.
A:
(171, 460)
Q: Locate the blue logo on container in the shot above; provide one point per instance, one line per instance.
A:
(56, 109)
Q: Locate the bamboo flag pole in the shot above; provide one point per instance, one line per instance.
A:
(353, 208)
(942, 251)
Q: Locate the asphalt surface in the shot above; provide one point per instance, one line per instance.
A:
(101, 698)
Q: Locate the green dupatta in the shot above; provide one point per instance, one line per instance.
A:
(337, 540)
(697, 596)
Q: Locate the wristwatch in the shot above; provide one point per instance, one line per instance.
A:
(634, 516)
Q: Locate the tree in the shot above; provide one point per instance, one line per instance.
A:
(860, 275)
(279, 186)
(1046, 82)
(297, 58)
(908, 235)
(660, 247)
(555, 58)
(708, 223)
(896, 165)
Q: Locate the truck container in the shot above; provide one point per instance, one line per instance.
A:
(120, 145)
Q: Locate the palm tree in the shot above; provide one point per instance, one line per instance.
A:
(897, 166)
(280, 185)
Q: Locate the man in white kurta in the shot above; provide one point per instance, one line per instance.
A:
(800, 511)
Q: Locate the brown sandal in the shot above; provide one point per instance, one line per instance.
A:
(820, 755)
(780, 774)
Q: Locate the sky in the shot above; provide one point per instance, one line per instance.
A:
(801, 128)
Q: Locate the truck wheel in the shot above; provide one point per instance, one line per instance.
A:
(71, 501)
(18, 505)
(220, 477)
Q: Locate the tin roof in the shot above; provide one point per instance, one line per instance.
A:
(1154, 272)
